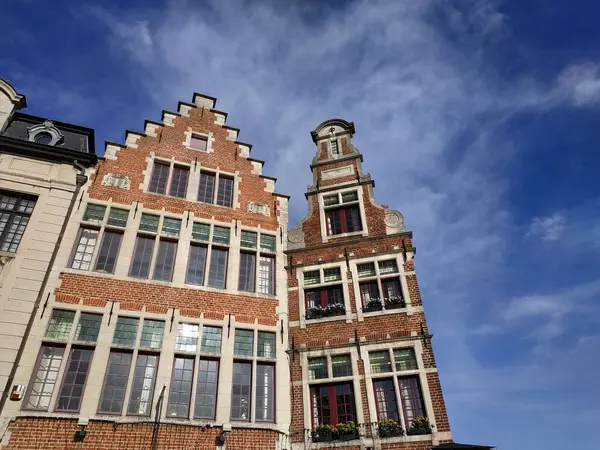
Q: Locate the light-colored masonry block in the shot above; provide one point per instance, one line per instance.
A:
(131, 140)
(169, 118)
(220, 119)
(269, 185)
(232, 135)
(259, 208)
(337, 173)
(111, 151)
(244, 150)
(256, 168)
(203, 102)
(151, 129)
(184, 110)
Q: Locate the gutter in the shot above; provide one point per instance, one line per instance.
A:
(80, 180)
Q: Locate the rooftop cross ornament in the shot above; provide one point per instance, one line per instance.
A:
(331, 130)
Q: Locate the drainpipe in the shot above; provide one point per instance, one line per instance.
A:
(80, 180)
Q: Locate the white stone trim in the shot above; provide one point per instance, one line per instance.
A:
(210, 140)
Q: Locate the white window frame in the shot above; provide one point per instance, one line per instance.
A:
(172, 163)
(209, 245)
(217, 174)
(360, 203)
(208, 136)
(258, 252)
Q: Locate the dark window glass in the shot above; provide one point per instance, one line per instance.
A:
(60, 324)
(385, 400)
(181, 387)
(266, 344)
(201, 231)
(388, 266)
(158, 182)
(225, 194)
(171, 227)
(369, 291)
(221, 235)
(332, 404)
(341, 366)
(206, 189)
(366, 270)
(198, 142)
(44, 377)
(179, 181)
(312, 277)
(344, 398)
(244, 343)
(84, 250)
(343, 220)
(332, 274)
(353, 222)
(206, 389)
(391, 288)
(74, 379)
(266, 275)
(265, 393)
(412, 398)
(88, 327)
(142, 390)
(149, 222)
(380, 361)
(317, 368)
(334, 222)
(115, 383)
(240, 392)
(349, 197)
(321, 405)
(211, 339)
(94, 213)
(324, 296)
(405, 359)
(109, 250)
(217, 273)
(165, 260)
(126, 331)
(43, 138)
(142, 256)
(247, 271)
(196, 265)
(249, 239)
(268, 243)
(118, 217)
(334, 148)
(152, 334)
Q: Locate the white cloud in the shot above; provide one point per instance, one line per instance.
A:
(550, 228)
(581, 83)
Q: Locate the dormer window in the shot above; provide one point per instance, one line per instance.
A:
(342, 213)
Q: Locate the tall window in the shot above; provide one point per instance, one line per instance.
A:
(216, 188)
(61, 339)
(15, 212)
(342, 213)
(209, 252)
(140, 347)
(335, 151)
(148, 240)
(97, 226)
(197, 357)
(332, 404)
(253, 364)
(167, 174)
(257, 247)
(379, 285)
(323, 292)
(396, 385)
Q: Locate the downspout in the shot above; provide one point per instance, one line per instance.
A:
(80, 180)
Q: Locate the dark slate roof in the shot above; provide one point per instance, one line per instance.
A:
(456, 446)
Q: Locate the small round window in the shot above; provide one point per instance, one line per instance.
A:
(43, 138)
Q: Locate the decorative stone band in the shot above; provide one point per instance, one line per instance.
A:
(337, 173)
(259, 208)
(116, 180)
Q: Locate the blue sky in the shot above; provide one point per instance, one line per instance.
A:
(479, 120)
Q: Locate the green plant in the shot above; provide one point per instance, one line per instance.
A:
(316, 312)
(373, 305)
(419, 425)
(390, 428)
(346, 430)
(335, 309)
(323, 433)
(394, 302)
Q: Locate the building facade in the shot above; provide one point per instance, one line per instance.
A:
(42, 164)
(164, 321)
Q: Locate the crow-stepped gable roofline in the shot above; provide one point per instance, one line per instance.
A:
(332, 127)
(17, 99)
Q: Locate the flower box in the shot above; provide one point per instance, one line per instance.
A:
(373, 305)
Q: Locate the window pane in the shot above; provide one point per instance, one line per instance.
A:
(312, 277)
(158, 181)
(389, 266)
(241, 390)
(266, 275)
(267, 242)
(333, 274)
(211, 339)
(244, 343)
(412, 400)
(118, 217)
(265, 392)
(181, 387)
(321, 405)
(247, 271)
(198, 142)
(331, 200)
(187, 337)
(171, 227)
(385, 399)
(369, 291)
(349, 197)
(317, 368)
(109, 250)
(126, 331)
(391, 288)
(341, 366)
(142, 256)
(60, 324)
(149, 222)
(82, 257)
(345, 406)
(196, 265)
(152, 334)
(16, 228)
(179, 181)
(249, 239)
(142, 389)
(94, 213)
(115, 383)
(405, 359)
(44, 377)
(334, 148)
(221, 235)
(206, 389)
(218, 268)
(266, 344)
(353, 222)
(334, 222)
(201, 231)
(74, 380)
(380, 362)
(206, 189)
(225, 194)
(165, 260)
(366, 270)
(88, 327)
(8, 202)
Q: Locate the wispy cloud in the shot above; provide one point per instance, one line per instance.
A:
(581, 83)
(550, 228)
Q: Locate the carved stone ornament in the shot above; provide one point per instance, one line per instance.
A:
(259, 208)
(45, 133)
(337, 173)
(295, 238)
(394, 220)
(116, 180)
